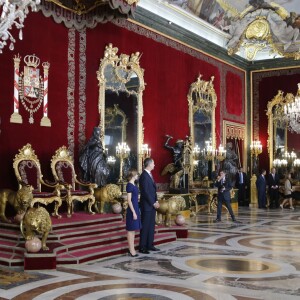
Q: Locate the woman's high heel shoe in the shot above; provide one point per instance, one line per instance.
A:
(129, 253)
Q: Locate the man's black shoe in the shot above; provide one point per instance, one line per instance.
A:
(153, 249)
(217, 220)
(144, 251)
(235, 221)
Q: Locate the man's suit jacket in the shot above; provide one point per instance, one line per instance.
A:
(148, 192)
(261, 184)
(226, 193)
(272, 181)
(237, 179)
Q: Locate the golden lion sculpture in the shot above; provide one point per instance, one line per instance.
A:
(20, 200)
(108, 193)
(169, 207)
(36, 220)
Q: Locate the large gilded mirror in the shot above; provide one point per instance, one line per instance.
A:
(202, 100)
(277, 126)
(121, 85)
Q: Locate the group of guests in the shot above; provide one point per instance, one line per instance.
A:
(141, 218)
(272, 181)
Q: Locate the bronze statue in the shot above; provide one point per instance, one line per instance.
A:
(181, 165)
(93, 160)
(177, 151)
(19, 200)
(231, 161)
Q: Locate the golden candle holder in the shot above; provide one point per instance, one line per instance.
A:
(122, 152)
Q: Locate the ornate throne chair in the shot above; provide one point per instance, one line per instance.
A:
(63, 171)
(28, 172)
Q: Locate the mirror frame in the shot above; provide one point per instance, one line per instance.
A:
(206, 87)
(129, 64)
(278, 102)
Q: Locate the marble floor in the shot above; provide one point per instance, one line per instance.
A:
(258, 258)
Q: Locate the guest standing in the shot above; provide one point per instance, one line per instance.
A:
(224, 186)
(273, 182)
(241, 185)
(261, 186)
(133, 217)
(288, 190)
(149, 204)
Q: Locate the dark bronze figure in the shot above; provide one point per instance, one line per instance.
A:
(93, 161)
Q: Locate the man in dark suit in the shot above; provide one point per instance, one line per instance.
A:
(261, 186)
(149, 204)
(224, 186)
(273, 182)
(241, 185)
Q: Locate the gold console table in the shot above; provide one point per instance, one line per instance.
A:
(212, 201)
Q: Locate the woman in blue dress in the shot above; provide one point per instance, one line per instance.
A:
(133, 216)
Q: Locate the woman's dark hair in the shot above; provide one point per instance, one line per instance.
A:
(131, 174)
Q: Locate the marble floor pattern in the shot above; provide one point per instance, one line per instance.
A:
(259, 258)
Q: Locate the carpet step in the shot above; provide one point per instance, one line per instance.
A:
(11, 259)
(82, 219)
(94, 240)
(94, 253)
(85, 231)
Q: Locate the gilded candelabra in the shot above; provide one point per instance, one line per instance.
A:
(220, 153)
(255, 149)
(196, 156)
(145, 152)
(122, 152)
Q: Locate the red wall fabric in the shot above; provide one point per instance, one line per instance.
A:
(234, 95)
(169, 71)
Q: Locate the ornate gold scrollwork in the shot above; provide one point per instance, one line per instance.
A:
(114, 74)
(202, 97)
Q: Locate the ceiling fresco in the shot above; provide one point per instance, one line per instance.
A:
(221, 13)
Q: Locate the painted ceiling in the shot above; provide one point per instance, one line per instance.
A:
(220, 13)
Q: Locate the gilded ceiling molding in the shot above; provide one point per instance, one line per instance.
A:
(263, 28)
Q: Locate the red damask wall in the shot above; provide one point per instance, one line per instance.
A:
(169, 67)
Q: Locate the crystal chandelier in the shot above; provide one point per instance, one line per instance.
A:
(292, 112)
(13, 12)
